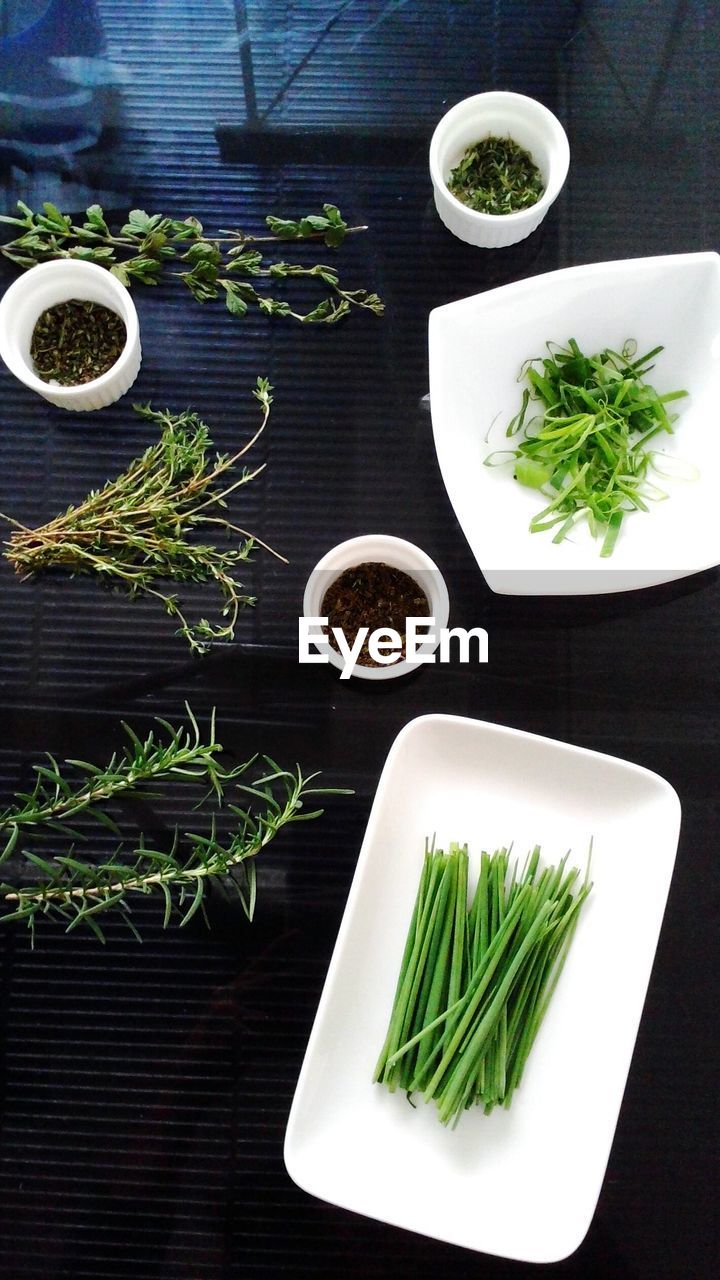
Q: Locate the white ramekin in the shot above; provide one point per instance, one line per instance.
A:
(498, 114)
(399, 554)
(45, 286)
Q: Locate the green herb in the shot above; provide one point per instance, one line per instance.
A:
(219, 266)
(76, 341)
(138, 530)
(75, 891)
(56, 799)
(587, 450)
(496, 176)
(475, 983)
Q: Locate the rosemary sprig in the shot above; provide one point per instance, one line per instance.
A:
(216, 266)
(136, 532)
(75, 890)
(164, 753)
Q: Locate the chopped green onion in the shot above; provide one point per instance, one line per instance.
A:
(531, 473)
(587, 450)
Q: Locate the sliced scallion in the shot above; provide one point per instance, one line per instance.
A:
(587, 449)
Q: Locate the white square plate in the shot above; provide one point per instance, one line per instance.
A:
(521, 1183)
(477, 349)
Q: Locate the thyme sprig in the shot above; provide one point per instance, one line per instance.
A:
(215, 266)
(75, 891)
(138, 530)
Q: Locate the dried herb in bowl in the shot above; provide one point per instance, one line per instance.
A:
(496, 176)
(373, 595)
(77, 341)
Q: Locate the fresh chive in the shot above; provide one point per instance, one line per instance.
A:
(476, 980)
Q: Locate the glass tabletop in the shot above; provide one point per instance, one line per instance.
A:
(145, 1088)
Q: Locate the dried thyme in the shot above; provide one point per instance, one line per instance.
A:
(76, 341)
(496, 176)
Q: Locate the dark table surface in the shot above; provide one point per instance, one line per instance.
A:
(144, 1090)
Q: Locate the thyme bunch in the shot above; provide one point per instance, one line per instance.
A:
(139, 530)
(76, 891)
(222, 266)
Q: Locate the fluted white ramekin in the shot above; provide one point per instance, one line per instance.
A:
(47, 285)
(399, 554)
(502, 115)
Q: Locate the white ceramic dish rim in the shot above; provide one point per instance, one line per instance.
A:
(25, 284)
(370, 546)
(556, 179)
(354, 895)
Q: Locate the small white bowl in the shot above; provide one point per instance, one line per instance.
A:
(502, 115)
(45, 286)
(399, 554)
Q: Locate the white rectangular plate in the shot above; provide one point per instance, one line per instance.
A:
(521, 1183)
(477, 349)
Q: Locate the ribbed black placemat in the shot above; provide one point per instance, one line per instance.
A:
(145, 1089)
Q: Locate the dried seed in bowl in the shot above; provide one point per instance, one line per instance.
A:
(373, 595)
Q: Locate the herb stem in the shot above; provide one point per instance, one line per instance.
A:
(227, 236)
(214, 266)
(138, 529)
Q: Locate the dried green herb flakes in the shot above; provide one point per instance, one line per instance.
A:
(76, 341)
(496, 176)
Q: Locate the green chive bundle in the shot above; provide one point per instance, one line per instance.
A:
(475, 981)
(587, 449)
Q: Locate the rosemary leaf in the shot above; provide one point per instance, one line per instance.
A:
(175, 753)
(76, 891)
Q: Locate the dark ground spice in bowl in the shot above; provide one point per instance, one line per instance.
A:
(376, 596)
(76, 341)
